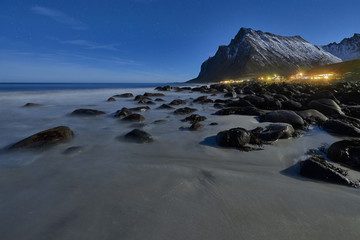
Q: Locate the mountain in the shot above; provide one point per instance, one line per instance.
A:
(347, 49)
(252, 53)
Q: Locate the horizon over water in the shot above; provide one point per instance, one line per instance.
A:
(39, 86)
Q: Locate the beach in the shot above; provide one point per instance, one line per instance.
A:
(182, 185)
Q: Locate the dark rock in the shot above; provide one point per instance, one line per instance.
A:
(134, 118)
(312, 116)
(138, 136)
(255, 100)
(159, 100)
(140, 109)
(185, 110)
(165, 106)
(249, 111)
(45, 138)
(159, 121)
(87, 112)
(177, 102)
(346, 152)
(316, 167)
(146, 102)
(141, 98)
(164, 88)
(341, 128)
(147, 94)
(235, 137)
(213, 124)
(326, 106)
(124, 95)
(194, 118)
(203, 100)
(239, 103)
(32, 105)
(291, 105)
(274, 132)
(195, 126)
(122, 113)
(322, 95)
(73, 150)
(111, 99)
(231, 94)
(285, 116)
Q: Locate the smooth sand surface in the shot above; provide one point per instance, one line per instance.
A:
(181, 186)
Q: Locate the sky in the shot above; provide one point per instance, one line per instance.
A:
(148, 40)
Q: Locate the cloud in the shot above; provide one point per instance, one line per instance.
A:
(90, 45)
(60, 17)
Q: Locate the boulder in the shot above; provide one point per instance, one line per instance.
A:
(203, 100)
(195, 126)
(45, 138)
(165, 106)
(291, 105)
(140, 109)
(235, 137)
(122, 113)
(178, 102)
(284, 116)
(341, 128)
(164, 88)
(124, 95)
(147, 94)
(312, 116)
(231, 94)
(111, 99)
(32, 105)
(194, 118)
(316, 167)
(345, 152)
(326, 106)
(185, 110)
(138, 136)
(134, 118)
(274, 132)
(87, 112)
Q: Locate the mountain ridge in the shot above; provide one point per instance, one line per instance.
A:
(348, 49)
(253, 53)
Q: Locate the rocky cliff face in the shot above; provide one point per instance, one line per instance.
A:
(347, 49)
(252, 53)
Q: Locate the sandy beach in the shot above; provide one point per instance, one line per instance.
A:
(180, 186)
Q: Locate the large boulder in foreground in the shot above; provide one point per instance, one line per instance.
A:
(45, 138)
(284, 116)
(312, 116)
(345, 152)
(326, 106)
(235, 137)
(87, 112)
(138, 136)
(316, 167)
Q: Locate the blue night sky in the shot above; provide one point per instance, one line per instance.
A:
(148, 40)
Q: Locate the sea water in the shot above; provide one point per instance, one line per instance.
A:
(181, 186)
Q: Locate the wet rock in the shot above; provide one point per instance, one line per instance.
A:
(147, 94)
(73, 150)
(255, 100)
(87, 112)
(165, 106)
(249, 111)
(231, 94)
(185, 110)
(134, 118)
(235, 137)
(140, 109)
(142, 98)
(326, 106)
(124, 95)
(159, 121)
(32, 105)
(274, 132)
(239, 103)
(322, 95)
(284, 116)
(194, 118)
(316, 167)
(291, 105)
(138, 136)
(164, 88)
(203, 100)
(341, 128)
(345, 152)
(45, 138)
(122, 113)
(213, 124)
(111, 99)
(178, 102)
(146, 102)
(159, 100)
(312, 116)
(195, 126)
